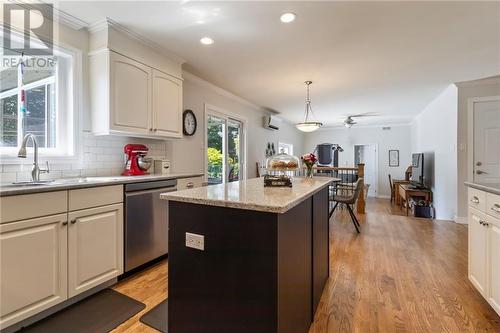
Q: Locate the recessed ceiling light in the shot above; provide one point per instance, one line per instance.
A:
(287, 17)
(206, 41)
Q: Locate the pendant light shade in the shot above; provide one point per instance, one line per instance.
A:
(309, 124)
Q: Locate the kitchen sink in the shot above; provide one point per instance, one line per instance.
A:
(28, 183)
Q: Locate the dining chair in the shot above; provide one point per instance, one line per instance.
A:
(349, 201)
(393, 191)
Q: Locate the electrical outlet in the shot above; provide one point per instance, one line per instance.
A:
(195, 241)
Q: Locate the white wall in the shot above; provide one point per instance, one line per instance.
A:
(466, 90)
(434, 132)
(398, 138)
(188, 155)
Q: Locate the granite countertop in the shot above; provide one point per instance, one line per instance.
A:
(84, 182)
(252, 195)
(491, 188)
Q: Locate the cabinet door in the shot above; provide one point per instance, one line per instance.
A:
(95, 247)
(167, 105)
(33, 274)
(494, 262)
(130, 95)
(478, 237)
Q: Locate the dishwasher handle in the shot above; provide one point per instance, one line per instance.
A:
(169, 183)
(155, 190)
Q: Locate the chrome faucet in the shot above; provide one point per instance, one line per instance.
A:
(35, 171)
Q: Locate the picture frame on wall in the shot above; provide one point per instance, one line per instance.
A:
(393, 158)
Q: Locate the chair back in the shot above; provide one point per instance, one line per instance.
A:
(358, 187)
(390, 181)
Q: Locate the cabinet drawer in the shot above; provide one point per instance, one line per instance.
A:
(192, 182)
(477, 199)
(95, 196)
(27, 206)
(493, 204)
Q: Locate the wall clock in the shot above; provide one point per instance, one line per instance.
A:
(189, 123)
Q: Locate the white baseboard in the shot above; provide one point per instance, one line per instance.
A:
(460, 219)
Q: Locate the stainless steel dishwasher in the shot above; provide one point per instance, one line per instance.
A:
(146, 221)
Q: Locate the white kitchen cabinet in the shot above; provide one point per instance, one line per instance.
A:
(134, 90)
(493, 254)
(167, 105)
(478, 236)
(484, 245)
(95, 247)
(130, 95)
(191, 182)
(33, 275)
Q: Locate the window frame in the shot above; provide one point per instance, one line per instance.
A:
(226, 115)
(68, 110)
(288, 145)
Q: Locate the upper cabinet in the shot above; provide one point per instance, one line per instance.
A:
(167, 105)
(134, 90)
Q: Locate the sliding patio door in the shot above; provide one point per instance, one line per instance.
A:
(225, 148)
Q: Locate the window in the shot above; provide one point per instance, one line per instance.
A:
(48, 83)
(224, 147)
(287, 148)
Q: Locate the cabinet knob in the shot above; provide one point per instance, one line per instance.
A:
(481, 222)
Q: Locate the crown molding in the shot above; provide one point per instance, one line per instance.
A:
(479, 82)
(109, 23)
(58, 15)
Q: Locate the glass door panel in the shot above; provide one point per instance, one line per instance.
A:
(215, 149)
(234, 141)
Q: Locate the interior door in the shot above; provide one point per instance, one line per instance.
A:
(367, 154)
(167, 104)
(487, 142)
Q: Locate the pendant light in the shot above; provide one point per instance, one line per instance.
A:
(309, 124)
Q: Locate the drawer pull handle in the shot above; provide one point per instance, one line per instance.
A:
(190, 185)
(496, 208)
(474, 200)
(481, 222)
(73, 221)
(65, 223)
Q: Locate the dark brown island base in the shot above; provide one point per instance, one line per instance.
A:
(247, 258)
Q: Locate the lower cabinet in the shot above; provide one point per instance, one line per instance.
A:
(46, 260)
(484, 247)
(478, 235)
(493, 254)
(95, 247)
(33, 275)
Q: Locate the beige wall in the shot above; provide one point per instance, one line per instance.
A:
(434, 133)
(466, 90)
(188, 155)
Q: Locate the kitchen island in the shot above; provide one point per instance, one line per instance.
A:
(247, 258)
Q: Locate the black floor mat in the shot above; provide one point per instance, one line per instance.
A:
(99, 313)
(157, 317)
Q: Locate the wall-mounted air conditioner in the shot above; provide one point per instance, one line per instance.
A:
(272, 123)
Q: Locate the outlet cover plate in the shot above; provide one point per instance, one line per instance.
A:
(195, 241)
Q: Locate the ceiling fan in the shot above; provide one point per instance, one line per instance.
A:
(349, 121)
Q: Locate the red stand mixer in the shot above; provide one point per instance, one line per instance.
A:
(136, 161)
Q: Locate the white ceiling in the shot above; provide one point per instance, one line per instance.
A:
(388, 58)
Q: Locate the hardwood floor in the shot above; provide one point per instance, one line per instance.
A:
(401, 274)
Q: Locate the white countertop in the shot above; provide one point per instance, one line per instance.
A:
(491, 188)
(84, 182)
(252, 195)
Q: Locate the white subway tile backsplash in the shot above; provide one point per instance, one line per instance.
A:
(101, 156)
